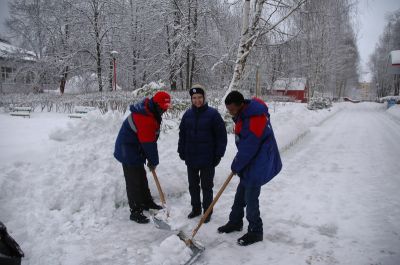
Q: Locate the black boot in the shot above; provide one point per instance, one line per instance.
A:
(139, 217)
(230, 227)
(151, 205)
(195, 212)
(250, 238)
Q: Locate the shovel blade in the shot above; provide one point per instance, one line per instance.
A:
(196, 247)
(160, 224)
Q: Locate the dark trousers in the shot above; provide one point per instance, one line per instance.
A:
(137, 187)
(205, 176)
(247, 197)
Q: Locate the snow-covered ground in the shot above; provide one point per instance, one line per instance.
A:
(62, 194)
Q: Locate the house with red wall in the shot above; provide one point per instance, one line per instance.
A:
(295, 87)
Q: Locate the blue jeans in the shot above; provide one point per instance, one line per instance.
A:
(247, 197)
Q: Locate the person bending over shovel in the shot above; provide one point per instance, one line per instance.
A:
(256, 162)
(136, 142)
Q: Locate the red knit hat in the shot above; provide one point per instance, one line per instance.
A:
(163, 100)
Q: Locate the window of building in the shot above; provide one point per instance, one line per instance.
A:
(7, 74)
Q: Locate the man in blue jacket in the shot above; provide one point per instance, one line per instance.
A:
(256, 162)
(202, 143)
(137, 142)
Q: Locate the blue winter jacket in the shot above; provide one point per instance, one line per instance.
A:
(257, 160)
(202, 136)
(134, 145)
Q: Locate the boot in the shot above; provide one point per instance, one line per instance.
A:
(151, 205)
(139, 217)
(230, 227)
(195, 212)
(250, 238)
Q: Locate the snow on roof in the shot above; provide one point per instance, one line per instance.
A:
(8, 50)
(395, 57)
(296, 83)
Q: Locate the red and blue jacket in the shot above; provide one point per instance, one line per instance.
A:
(137, 138)
(257, 160)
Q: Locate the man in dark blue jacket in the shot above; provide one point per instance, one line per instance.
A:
(256, 162)
(137, 142)
(202, 144)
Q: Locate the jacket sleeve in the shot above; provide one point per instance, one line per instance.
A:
(182, 137)
(147, 136)
(249, 143)
(220, 135)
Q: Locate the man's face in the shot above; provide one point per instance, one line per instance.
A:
(234, 109)
(197, 100)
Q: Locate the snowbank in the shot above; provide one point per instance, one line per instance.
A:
(394, 111)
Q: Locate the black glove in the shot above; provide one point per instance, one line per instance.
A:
(216, 161)
(181, 156)
(150, 166)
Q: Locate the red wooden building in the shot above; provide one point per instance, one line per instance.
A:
(291, 87)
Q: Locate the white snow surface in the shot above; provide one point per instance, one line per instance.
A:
(63, 198)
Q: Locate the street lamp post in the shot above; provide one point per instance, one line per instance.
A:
(114, 55)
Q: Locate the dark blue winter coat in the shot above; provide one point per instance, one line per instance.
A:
(257, 160)
(202, 136)
(134, 145)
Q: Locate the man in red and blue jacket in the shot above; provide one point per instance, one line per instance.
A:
(137, 142)
(256, 162)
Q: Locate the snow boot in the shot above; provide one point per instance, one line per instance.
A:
(230, 227)
(250, 238)
(139, 217)
(195, 212)
(151, 205)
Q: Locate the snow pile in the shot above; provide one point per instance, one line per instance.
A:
(387, 98)
(172, 251)
(394, 111)
(292, 121)
(78, 187)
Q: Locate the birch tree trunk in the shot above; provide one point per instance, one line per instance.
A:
(249, 37)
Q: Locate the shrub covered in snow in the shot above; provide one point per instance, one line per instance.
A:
(319, 103)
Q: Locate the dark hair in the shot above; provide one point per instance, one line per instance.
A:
(234, 97)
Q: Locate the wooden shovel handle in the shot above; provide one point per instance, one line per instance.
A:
(207, 213)
(159, 187)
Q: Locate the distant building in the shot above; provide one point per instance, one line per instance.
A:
(15, 68)
(291, 87)
(365, 91)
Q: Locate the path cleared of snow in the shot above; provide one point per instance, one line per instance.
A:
(334, 202)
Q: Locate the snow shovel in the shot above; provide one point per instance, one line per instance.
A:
(196, 247)
(160, 223)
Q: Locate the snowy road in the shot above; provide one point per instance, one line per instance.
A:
(335, 202)
(343, 181)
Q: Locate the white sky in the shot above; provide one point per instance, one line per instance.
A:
(3, 15)
(371, 22)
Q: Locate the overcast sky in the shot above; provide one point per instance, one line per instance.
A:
(3, 15)
(370, 24)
